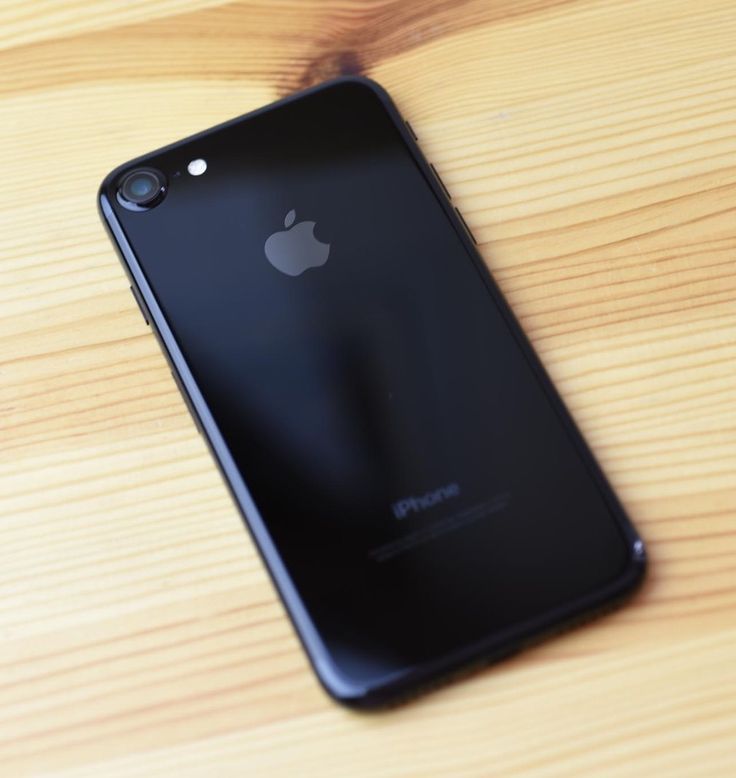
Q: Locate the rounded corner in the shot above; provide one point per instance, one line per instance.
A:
(336, 685)
(635, 570)
(352, 699)
(357, 695)
(639, 566)
(359, 701)
(103, 188)
(363, 82)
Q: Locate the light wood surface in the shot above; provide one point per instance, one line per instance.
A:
(592, 149)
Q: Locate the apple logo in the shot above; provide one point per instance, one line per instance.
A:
(295, 249)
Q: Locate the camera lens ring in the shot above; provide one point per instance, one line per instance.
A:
(141, 189)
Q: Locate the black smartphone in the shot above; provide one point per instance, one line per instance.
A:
(421, 497)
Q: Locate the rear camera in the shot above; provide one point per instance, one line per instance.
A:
(141, 189)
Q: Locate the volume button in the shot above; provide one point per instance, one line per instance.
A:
(141, 305)
(440, 181)
(411, 130)
(465, 224)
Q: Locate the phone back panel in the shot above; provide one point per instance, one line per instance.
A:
(422, 486)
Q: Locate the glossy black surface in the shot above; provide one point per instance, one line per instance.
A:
(392, 371)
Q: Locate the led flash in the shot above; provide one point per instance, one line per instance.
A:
(196, 167)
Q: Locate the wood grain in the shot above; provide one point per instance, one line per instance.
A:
(592, 148)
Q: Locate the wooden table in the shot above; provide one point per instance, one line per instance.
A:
(592, 148)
